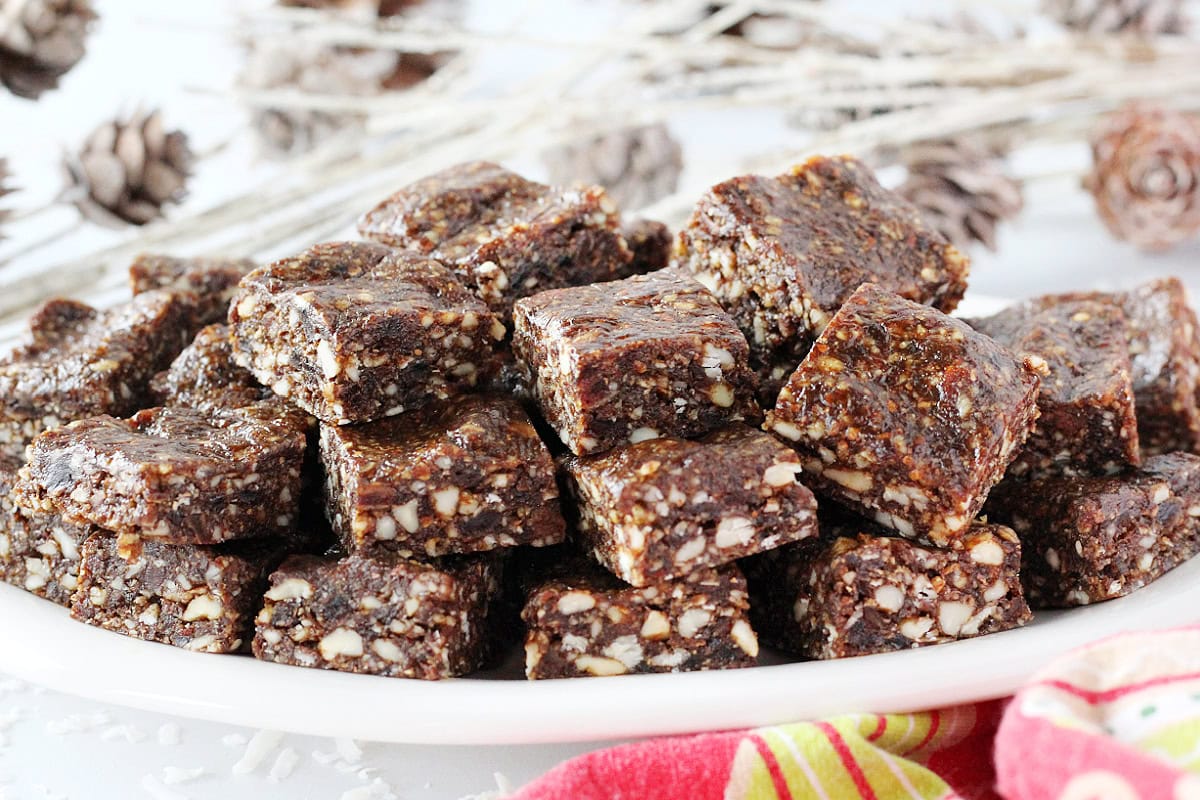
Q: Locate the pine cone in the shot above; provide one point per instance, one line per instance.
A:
(636, 165)
(962, 190)
(829, 118)
(128, 170)
(378, 8)
(1146, 176)
(330, 4)
(775, 31)
(4, 189)
(40, 40)
(1144, 17)
(327, 71)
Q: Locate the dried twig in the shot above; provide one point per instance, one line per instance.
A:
(920, 80)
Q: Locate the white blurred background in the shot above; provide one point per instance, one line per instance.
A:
(183, 57)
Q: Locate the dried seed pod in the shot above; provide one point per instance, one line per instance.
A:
(128, 170)
(962, 189)
(40, 41)
(636, 165)
(1145, 17)
(4, 189)
(1146, 176)
(378, 8)
(326, 71)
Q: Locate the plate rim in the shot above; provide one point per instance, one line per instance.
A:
(482, 710)
(243, 691)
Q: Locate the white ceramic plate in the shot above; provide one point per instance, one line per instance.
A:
(41, 644)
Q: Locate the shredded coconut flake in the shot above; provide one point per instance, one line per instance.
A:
(261, 745)
(169, 734)
(348, 749)
(126, 733)
(174, 775)
(285, 764)
(158, 791)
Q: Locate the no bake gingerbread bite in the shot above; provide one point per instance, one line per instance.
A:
(456, 477)
(907, 415)
(1085, 540)
(504, 236)
(175, 475)
(1087, 423)
(354, 331)
(782, 254)
(78, 361)
(652, 355)
(661, 509)
(381, 614)
(859, 589)
(582, 621)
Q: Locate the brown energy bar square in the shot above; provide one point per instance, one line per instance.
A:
(660, 509)
(907, 415)
(782, 254)
(79, 361)
(381, 615)
(353, 331)
(506, 237)
(176, 475)
(457, 477)
(1088, 423)
(582, 621)
(652, 355)
(1085, 540)
(858, 590)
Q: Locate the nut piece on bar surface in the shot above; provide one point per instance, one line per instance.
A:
(353, 331)
(505, 236)
(382, 615)
(582, 621)
(212, 280)
(175, 474)
(857, 590)
(1091, 539)
(650, 242)
(197, 597)
(907, 415)
(660, 509)
(204, 376)
(78, 361)
(1087, 425)
(457, 477)
(782, 254)
(652, 355)
(39, 551)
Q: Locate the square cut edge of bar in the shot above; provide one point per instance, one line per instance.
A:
(355, 331)
(860, 590)
(652, 355)
(462, 476)
(907, 415)
(656, 510)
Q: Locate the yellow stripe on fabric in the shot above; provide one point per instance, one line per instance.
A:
(809, 763)
(1177, 742)
(813, 770)
(749, 777)
(889, 775)
(903, 731)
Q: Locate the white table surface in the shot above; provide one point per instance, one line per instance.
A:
(56, 746)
